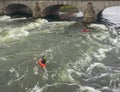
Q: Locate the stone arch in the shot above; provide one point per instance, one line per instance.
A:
(53, 10)
(18, 10)
(99, 14)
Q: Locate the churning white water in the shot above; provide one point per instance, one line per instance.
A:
(76, 61)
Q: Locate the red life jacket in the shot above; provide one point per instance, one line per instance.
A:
(85, 30)
(41, 64)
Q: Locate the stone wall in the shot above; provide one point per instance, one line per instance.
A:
(98, 5)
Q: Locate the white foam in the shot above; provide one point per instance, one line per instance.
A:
(42, 21)
(35, 70)
(45, 74)
(61, 24)
(101, 37)
(18, 77)
(3, 58)
(88, 89)
(69, 72)
(98, 26)
(38, 23)
(12, 81)
(65, 76)
(78, 74)
(119, 58)
(92, 66)
(113, 41)
(36, 89)
(81, 63)
(117, 90)
(15, 34)
(21, 32)
(103, 30)
(101, 53)
(22, 18)
(49, 51)
(4, 18)
(12, 70)
(107, 89)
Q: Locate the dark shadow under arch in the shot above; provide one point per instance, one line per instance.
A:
(18, 10)
(99, 16)
(53, 11)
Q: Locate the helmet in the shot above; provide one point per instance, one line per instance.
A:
(44, 57)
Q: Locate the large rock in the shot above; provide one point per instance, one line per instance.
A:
(36, 10)
(89, 13)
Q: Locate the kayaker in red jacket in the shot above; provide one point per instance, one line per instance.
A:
(42, 61)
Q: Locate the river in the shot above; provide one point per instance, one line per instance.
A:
(76, 61)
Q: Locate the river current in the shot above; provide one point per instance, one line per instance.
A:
(76, 61)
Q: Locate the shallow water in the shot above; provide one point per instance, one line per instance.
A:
(77, 61)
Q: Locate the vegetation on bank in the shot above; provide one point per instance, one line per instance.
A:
(68, 8)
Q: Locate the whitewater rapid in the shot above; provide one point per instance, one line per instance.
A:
(76, 61)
